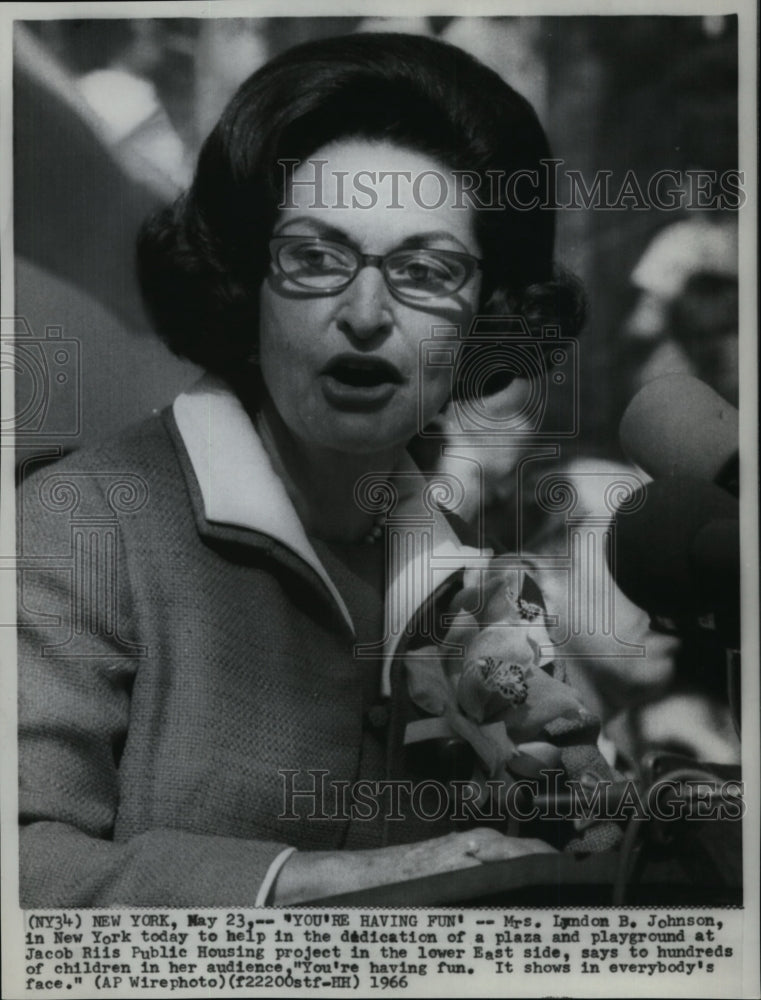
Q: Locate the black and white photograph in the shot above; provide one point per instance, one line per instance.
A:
(379, 535)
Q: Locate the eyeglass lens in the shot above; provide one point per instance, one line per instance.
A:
(417, 273)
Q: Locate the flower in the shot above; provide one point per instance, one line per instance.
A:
(487, 684)
(499, 695)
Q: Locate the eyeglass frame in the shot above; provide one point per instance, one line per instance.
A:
(363, 260)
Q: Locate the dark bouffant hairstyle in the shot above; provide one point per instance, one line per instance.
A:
(202, 261)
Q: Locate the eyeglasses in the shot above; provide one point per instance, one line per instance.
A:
(414, 275)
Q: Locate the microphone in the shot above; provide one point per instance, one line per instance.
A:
(677, 425)
(677, 554)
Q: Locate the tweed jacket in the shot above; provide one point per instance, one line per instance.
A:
(182, 659)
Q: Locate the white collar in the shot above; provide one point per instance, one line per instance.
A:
(239, 487)
(237, 482)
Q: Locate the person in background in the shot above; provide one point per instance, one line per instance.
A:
(113, 62)
(685, 315)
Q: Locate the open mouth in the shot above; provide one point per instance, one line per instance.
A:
(362, 373)
(353, 382)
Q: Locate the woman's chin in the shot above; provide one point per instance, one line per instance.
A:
(361, 434)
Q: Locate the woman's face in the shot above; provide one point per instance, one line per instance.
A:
(343, 369)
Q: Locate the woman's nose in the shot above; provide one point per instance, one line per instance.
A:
(365, 306)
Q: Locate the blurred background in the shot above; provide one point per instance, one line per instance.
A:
(109, 115)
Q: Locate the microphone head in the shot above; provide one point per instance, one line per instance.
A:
(677, 425)
(677, 553)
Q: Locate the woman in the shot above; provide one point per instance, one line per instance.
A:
(189, 717)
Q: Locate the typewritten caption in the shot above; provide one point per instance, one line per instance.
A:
(86, 953)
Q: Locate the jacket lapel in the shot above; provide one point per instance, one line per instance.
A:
(239, 497)
(237, 484)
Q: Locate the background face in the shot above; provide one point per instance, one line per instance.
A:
(307, 340)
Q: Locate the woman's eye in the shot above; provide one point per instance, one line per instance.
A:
(312, 257)
(424, 271)
(316, 258)
(419, 272)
